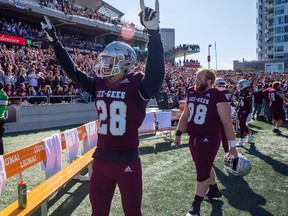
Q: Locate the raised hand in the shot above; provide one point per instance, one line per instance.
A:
(150, 18)
(49, 29)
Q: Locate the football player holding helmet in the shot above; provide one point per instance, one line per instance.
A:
(239, 166)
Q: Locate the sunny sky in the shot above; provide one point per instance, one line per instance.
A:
(231, 23)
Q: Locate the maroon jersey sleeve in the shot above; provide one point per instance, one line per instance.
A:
(244, 97)
(121, 110)
(203, 116)
(275, 100)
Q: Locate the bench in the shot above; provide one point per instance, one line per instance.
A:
(34, 154)
(22, 159)
(41, 193)
(164, 132)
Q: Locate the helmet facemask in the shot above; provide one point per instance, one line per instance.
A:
(240, 166)
(219, 82)
(116, 58)
(242, 84)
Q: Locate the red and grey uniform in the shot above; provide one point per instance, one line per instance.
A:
(276, 104)
(204, 127)
(244, 109)
(121, 110)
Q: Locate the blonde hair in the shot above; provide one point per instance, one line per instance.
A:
(209, 74)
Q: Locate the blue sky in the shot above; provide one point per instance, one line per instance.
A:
(231, 23)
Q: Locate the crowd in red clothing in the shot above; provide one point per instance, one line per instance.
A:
(29, 71)
(73, 9)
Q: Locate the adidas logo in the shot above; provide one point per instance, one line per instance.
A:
(207, 95)
(128, 169)
(205, 140)
(125, 80)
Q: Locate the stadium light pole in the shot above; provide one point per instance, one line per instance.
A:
(209, 57)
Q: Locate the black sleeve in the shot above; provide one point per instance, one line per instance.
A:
(82, 79)
(155, 68)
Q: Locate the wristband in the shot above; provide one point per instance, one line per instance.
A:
(178, 133)
(232, 143)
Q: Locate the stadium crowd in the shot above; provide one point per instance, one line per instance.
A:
(32, 71)
(71, 9)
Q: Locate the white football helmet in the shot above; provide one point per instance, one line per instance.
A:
(242, 84)
(220, 82)
(240, 166)
(117, 57)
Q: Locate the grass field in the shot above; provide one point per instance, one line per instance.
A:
(169, 179)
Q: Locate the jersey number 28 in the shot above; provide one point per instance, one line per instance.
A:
(117, 120)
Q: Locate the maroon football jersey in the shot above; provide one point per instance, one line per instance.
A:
(203, 116)
(243, 99)
(275, 100)
(265, 93)
(121, 111)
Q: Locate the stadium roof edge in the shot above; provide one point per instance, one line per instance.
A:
(101, 6)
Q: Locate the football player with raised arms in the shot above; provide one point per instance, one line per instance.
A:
(121, 99)
(205, 109)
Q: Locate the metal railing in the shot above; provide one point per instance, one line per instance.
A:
(30, 100)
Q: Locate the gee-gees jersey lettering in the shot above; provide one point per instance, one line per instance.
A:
(121, 111)
(203, 115)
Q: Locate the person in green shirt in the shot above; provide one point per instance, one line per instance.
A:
(3, 107)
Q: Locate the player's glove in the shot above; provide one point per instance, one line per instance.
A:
(49, 29)
(150, 18)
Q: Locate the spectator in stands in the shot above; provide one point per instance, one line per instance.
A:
(41, 80)
(49, 78)
(57, 92)
(2, 74)
(65, 80)
(120, 114)
(33, 78)
(46, 91)
(9, 78)
(32, 92)
(22, 78)
(3, 107)
(22, 91)
(205, 133)
(56, 80)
